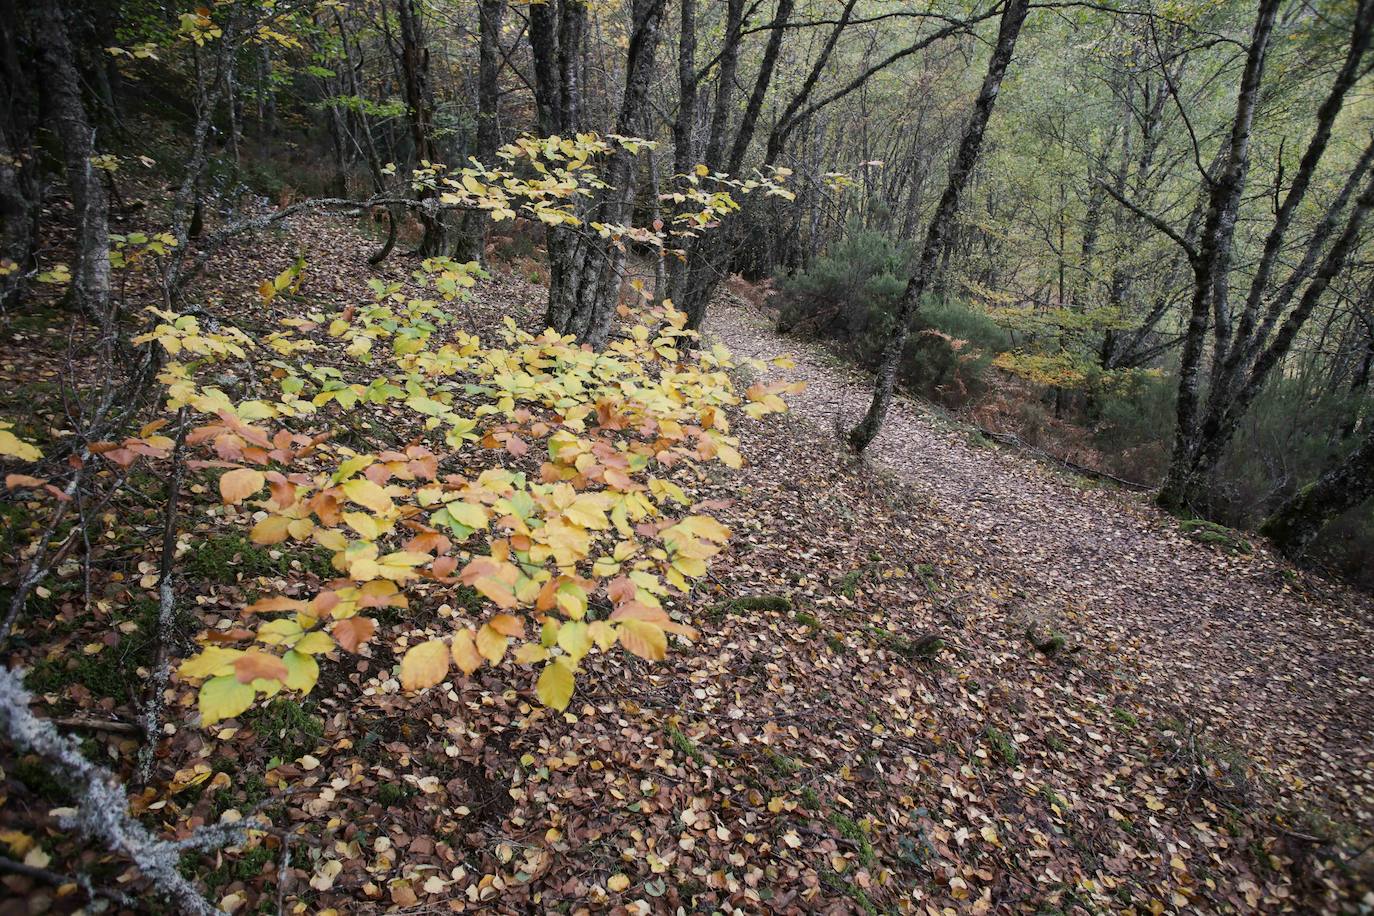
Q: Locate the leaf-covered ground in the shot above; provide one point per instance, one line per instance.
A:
(945, 680)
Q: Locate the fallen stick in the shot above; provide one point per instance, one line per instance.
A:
(166, 611)
(102, 807)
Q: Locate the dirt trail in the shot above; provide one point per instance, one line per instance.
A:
(1277, 663)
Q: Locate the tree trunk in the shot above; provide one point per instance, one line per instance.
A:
(90, 289)
(584, 271)
(941, 223)
(415, 76)
(706, 253)
(19, 186)
(725, 84)
(1211, 267)
(472, 246)
(1341, 487)
(1211, 448)
(684, 149)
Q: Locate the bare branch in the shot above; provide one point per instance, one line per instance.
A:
(102, 807)
(1150, 218)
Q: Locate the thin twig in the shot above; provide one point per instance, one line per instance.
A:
(166, 612)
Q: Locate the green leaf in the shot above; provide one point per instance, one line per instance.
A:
(574, 639)
(302, 671)
(224, 697)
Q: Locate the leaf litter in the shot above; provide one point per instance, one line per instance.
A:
(945, 680)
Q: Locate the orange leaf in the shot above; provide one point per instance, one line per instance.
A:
(254, 664)
(507, 625)
(239, 484)
(277, 603)
(354, 631)
(323, 604)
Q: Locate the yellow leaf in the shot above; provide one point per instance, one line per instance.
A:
(491, 644)
(588, 510)
(647, 640)
(555, 686)
(224, 697)
(18, 842)
(689, 566)
(602, 633)
(279, 632)
(212, 660)
(400, 565)
(368, 495)
(572, 600)
(465, 654)
(424, 665)
(314, 642)
(14, 447)
(364, 524)
(470, 514)
(237, 485)
(704, 526)
(331, 539)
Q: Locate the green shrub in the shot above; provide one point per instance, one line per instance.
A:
(1133, 425)
(863, 272)
(850, 295)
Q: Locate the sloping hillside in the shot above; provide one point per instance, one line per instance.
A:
(946, 680)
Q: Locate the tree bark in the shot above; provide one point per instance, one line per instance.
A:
(941, 223)
(705, 253)
(1211, 448)
(415, 76)
(1342, 486)
(473, 243)
(585, 271)
(1211, 265)
(725, 84)
(90, 288)
(19, 186)
(684, 148)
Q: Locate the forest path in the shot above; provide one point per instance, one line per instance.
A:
(1273, 662)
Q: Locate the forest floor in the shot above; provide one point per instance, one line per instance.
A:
(943, 679)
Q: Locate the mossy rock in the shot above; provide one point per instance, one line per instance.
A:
(1211, 533)
(745, 604)
(924, 647)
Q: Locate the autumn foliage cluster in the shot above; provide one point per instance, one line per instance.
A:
(565, 517)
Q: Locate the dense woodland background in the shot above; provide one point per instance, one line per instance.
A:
(1108, 249)
(1128, 239)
